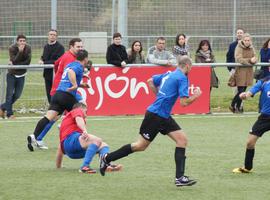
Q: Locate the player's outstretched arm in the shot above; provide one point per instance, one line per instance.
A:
(59, 157)
(187, 101)
(152, 85)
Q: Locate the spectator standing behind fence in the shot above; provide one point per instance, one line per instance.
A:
(158, 55)
(19, 54)
(244, 54)
(135, 54)
(265, 57)
(51, 52)
(204, 54)
(180, 48)
(116, 53)
(230, 54)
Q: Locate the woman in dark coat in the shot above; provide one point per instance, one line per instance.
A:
(265, 57)
(204, 54)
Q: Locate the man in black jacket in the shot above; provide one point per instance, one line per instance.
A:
(51, 52)
(19, 54)
(230, 54)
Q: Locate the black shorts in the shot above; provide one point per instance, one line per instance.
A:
(261, 126)
(152, 124)
(62, 101)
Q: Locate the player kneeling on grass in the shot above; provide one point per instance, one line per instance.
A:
(167, 87)
(262, 124)
(76, 143)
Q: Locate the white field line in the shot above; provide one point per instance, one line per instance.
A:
(139, 117)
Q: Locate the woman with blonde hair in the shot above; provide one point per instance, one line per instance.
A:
(244, 54)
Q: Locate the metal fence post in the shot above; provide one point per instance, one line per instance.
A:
(234, 19)
(123, 20)
(2, 85)
(54, 14)
(113, 17)
(148, 43)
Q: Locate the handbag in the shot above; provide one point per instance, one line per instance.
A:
(214, 79)
(232, 81)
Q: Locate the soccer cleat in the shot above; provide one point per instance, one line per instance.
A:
(41, 145)
(114, 168)
(31, 141)
(11, 117)
(184, 181)
(103, 165)
(241, 170)
(87, 170)
(241, 110)
(232, 109)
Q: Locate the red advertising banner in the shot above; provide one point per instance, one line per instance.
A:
(121, 91)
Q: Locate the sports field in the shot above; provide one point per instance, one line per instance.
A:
(216, 146)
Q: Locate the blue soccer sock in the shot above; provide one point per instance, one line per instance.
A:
(45, 130)
(104, 150)
(89, 154)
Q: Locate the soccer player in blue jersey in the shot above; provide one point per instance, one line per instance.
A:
(262, 124)
(64, 98)
(167, 87)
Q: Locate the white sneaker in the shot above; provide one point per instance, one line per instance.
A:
(31, 142)
(41, 145)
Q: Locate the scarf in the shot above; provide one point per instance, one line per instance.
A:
(178, 50)
(205, 54)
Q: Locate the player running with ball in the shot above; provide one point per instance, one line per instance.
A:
(167, 87)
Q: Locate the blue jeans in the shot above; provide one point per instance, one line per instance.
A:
(13, 92)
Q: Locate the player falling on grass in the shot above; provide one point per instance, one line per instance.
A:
(64, 98)
(167, 87)
(262, 124)
(77, 143)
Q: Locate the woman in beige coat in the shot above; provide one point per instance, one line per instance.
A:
(244, 54)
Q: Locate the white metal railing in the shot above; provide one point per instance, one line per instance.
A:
(131, 36)
(38, 66)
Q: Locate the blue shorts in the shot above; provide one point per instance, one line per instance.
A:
(72, 146)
